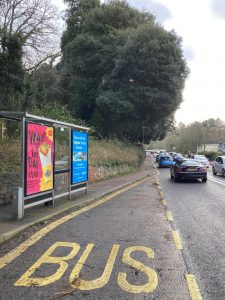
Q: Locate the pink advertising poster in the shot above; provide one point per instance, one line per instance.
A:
(39, 158)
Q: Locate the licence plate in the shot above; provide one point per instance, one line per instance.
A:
(191, 169)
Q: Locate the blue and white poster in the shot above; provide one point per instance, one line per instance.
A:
(80, 156)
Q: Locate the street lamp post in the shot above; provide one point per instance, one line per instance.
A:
(143, 140)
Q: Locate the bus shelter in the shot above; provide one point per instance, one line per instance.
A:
(54, 160)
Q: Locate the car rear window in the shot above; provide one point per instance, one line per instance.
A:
(166, 158)
(189, 162)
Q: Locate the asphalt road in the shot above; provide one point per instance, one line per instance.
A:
(122, 248)
(199, 215)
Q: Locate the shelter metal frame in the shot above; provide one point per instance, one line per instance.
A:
(45, 196)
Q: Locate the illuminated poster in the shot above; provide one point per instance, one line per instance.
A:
(39, 158)
(80, 157)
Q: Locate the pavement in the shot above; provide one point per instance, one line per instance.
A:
(10, 227)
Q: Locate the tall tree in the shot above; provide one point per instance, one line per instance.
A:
(121, 70)
(11, 71)
(35, 21)
(146, 81)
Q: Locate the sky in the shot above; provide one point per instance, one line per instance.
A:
(201, 24)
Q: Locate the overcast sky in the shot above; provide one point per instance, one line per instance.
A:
(201, 24)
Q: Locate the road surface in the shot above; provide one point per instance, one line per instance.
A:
(198, 211)
(121, 247)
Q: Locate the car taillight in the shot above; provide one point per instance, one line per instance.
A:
(202, 169)
(180, 170)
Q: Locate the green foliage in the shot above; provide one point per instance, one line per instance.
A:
(42, 86)
(10, 155)
(57, 112)
(112, 153)
(76, 17)
(121, 70)
(11, 71)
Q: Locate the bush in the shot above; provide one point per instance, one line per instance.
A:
(10, 155)
(111, 153)
(211, 155)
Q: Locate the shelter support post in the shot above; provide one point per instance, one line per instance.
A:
(18, 204)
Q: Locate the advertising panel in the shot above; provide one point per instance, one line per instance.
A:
(79, 157)
(39, 158)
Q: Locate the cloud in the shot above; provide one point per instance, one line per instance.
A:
(218, 8)
(161, 12)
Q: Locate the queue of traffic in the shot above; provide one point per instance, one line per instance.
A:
(183, 167)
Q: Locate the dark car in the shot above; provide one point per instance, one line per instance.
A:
(188, 169)
(178, 157)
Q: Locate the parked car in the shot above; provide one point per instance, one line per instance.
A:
(178, 157)
(165, 161)
(218, 166)
(188, 169)
(201, 159)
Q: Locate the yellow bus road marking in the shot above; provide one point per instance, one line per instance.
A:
(169, 216)
(152, 283)
(164, 202)
(9, 257)
(86, 285)
(75, 278)
(193, 287)
(177, 240)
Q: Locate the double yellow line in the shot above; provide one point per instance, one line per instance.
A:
(9, 257)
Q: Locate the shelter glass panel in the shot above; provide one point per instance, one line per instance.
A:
(10, 159)
(62, 161)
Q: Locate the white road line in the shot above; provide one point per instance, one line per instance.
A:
(216, 180)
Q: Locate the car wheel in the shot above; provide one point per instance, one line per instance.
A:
(213, 170)
(176, 177)
(204, 179)
(223, 173)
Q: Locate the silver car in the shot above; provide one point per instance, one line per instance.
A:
(201, 159)
(218, 166)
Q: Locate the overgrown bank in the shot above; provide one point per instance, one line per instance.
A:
(109, 158)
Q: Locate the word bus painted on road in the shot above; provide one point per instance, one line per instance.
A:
(79, 157)
(62, 263)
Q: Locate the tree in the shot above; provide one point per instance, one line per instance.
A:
(186, 138)
(121, 70)
(42, 86)
(35, 22)
(11, 71)
(147, 79)
(89, 49)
